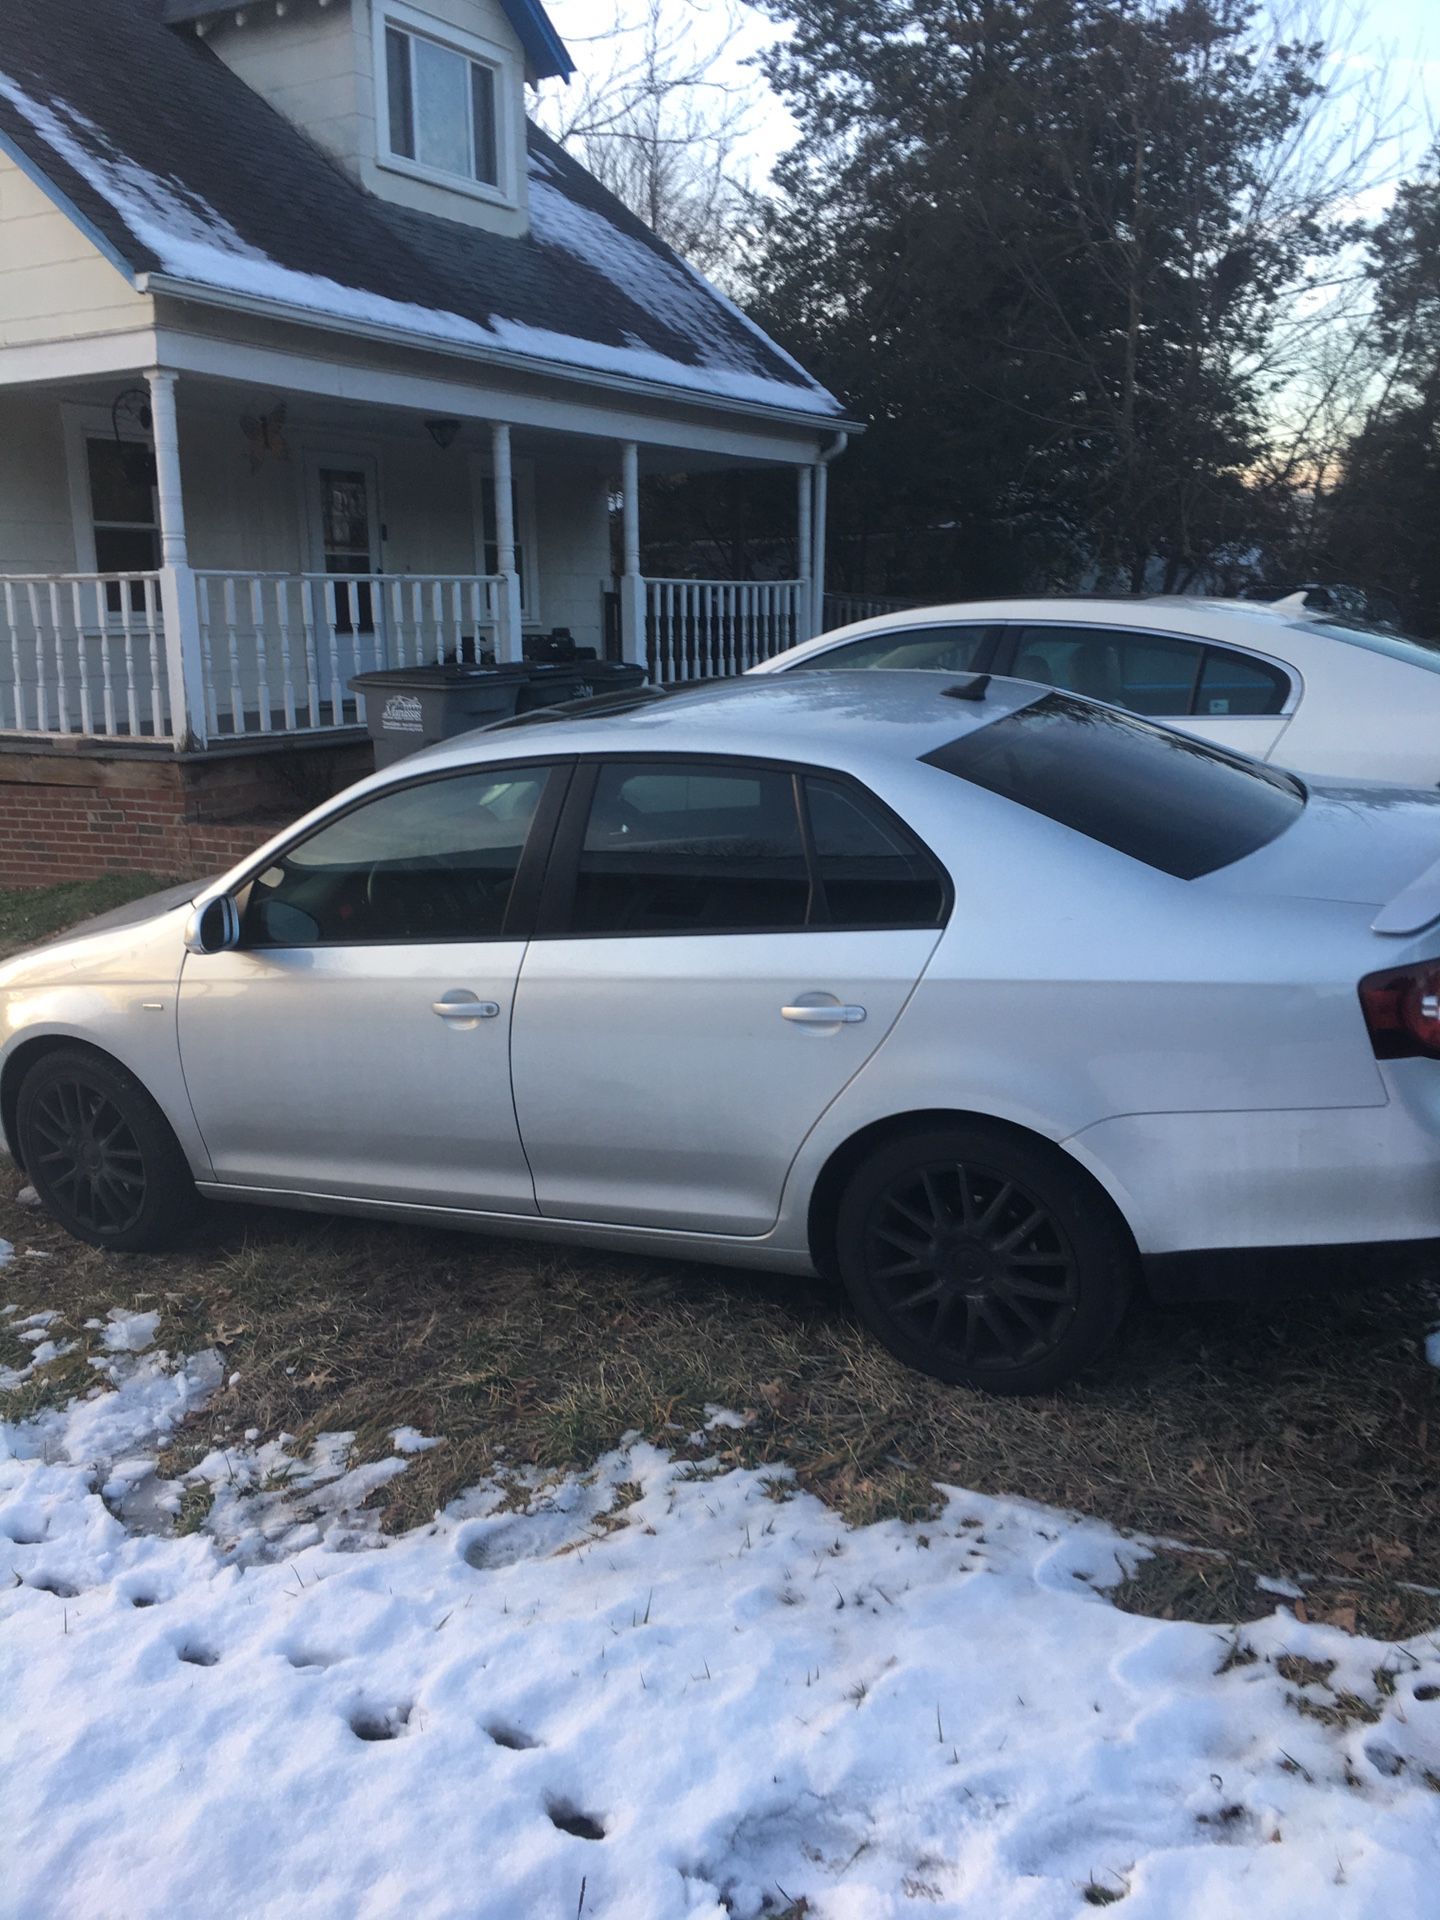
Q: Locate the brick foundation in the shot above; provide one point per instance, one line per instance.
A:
(76, 812)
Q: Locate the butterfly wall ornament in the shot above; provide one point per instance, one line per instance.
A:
(264, 435)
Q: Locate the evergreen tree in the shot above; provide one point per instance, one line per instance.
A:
(1039, 244)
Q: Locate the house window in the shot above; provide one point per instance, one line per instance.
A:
(441, 107)
(123, 513)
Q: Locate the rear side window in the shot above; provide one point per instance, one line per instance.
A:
(871, 873)
(1234, 683)
(1176, 803)
(934, 649)
(691, 850)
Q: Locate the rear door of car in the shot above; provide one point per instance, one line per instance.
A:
(721, 945)
(1227, 695)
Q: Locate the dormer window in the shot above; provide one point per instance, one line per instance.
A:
(443, 105)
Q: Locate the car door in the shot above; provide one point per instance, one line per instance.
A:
(355, 1042)
(1231, 698)
(722, 945)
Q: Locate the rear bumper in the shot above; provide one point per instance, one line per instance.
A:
(1285, 1273)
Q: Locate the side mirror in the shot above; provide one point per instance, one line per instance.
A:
(214, 927)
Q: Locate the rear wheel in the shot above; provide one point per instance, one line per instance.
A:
(101, 1153)
(984, 1257)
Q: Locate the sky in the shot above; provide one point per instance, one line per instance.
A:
(1398, 38)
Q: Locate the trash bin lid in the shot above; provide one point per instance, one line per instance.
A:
(442, 674)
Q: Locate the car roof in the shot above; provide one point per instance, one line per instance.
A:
(1208, 617)
(817, 718)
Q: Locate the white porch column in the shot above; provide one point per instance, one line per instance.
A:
(633, 645)
(183, 667)
(817, 544)
(804, 559)
(509, 640)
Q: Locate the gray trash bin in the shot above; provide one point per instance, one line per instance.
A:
(407, 708)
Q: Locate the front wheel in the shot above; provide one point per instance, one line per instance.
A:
(984, 1257)
(101, 1153)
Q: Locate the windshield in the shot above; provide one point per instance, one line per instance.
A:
(1174, 802)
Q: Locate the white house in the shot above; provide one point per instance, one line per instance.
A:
(316, 355)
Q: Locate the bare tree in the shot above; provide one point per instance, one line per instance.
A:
(659, 114)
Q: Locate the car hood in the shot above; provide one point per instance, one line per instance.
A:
(104, 938)
(1355, 843)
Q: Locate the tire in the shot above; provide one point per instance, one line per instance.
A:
(985, 1257)
(101, 1154)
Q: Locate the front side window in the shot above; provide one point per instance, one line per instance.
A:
(936, 649)
(705, 847)
(430, 862)
(441, 107)
(1174, 802)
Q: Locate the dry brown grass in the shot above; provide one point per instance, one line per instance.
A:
(1291, 1440)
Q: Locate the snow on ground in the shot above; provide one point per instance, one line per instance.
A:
(656, 1692)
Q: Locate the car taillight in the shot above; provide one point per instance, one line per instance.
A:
(1402, 1010)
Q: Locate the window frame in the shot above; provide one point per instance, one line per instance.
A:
(504, 88)
(1013, 631)
(525, 894)
(557, 899)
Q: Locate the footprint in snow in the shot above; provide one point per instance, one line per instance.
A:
(307, 1660)
(505, 1735)
(569, 1819)
(196, 1655)
(379, 1723)
(52, 1583)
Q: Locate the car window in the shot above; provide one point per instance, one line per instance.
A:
(435, 861)
(1175, 802)
(1149, 673)
(935, 649)
(680, 849)
(1236, 683)
(871, 872)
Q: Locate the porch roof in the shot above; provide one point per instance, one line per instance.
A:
(192, 183)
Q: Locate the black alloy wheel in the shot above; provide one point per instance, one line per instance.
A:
(101, 1154)
(984, 1257)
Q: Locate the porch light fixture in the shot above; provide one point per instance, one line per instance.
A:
(137, 460)
(443, 432)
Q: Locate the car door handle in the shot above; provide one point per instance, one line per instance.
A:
(831, 1016)
(465, 1009)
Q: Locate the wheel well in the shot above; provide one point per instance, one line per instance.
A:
(20, 1063)
(835, 1174)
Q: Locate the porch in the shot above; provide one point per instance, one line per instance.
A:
(217, 563)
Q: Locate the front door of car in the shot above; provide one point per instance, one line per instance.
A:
(722, 945)
(356, 1041)
(1231, 698)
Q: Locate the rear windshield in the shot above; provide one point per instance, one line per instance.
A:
(1176, 803)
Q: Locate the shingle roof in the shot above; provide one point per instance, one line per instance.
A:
(178, 169)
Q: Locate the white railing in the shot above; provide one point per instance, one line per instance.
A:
(278, 650)
(707, 629)
(83, 653)
(843, 608)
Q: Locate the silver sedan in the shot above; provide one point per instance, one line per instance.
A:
(992, 1000)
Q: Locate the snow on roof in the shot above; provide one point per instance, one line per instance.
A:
(187, 174)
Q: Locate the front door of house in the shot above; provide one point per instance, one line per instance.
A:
(344, 535)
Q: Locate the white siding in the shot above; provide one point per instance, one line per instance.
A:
(36, 528)
(54, 283)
